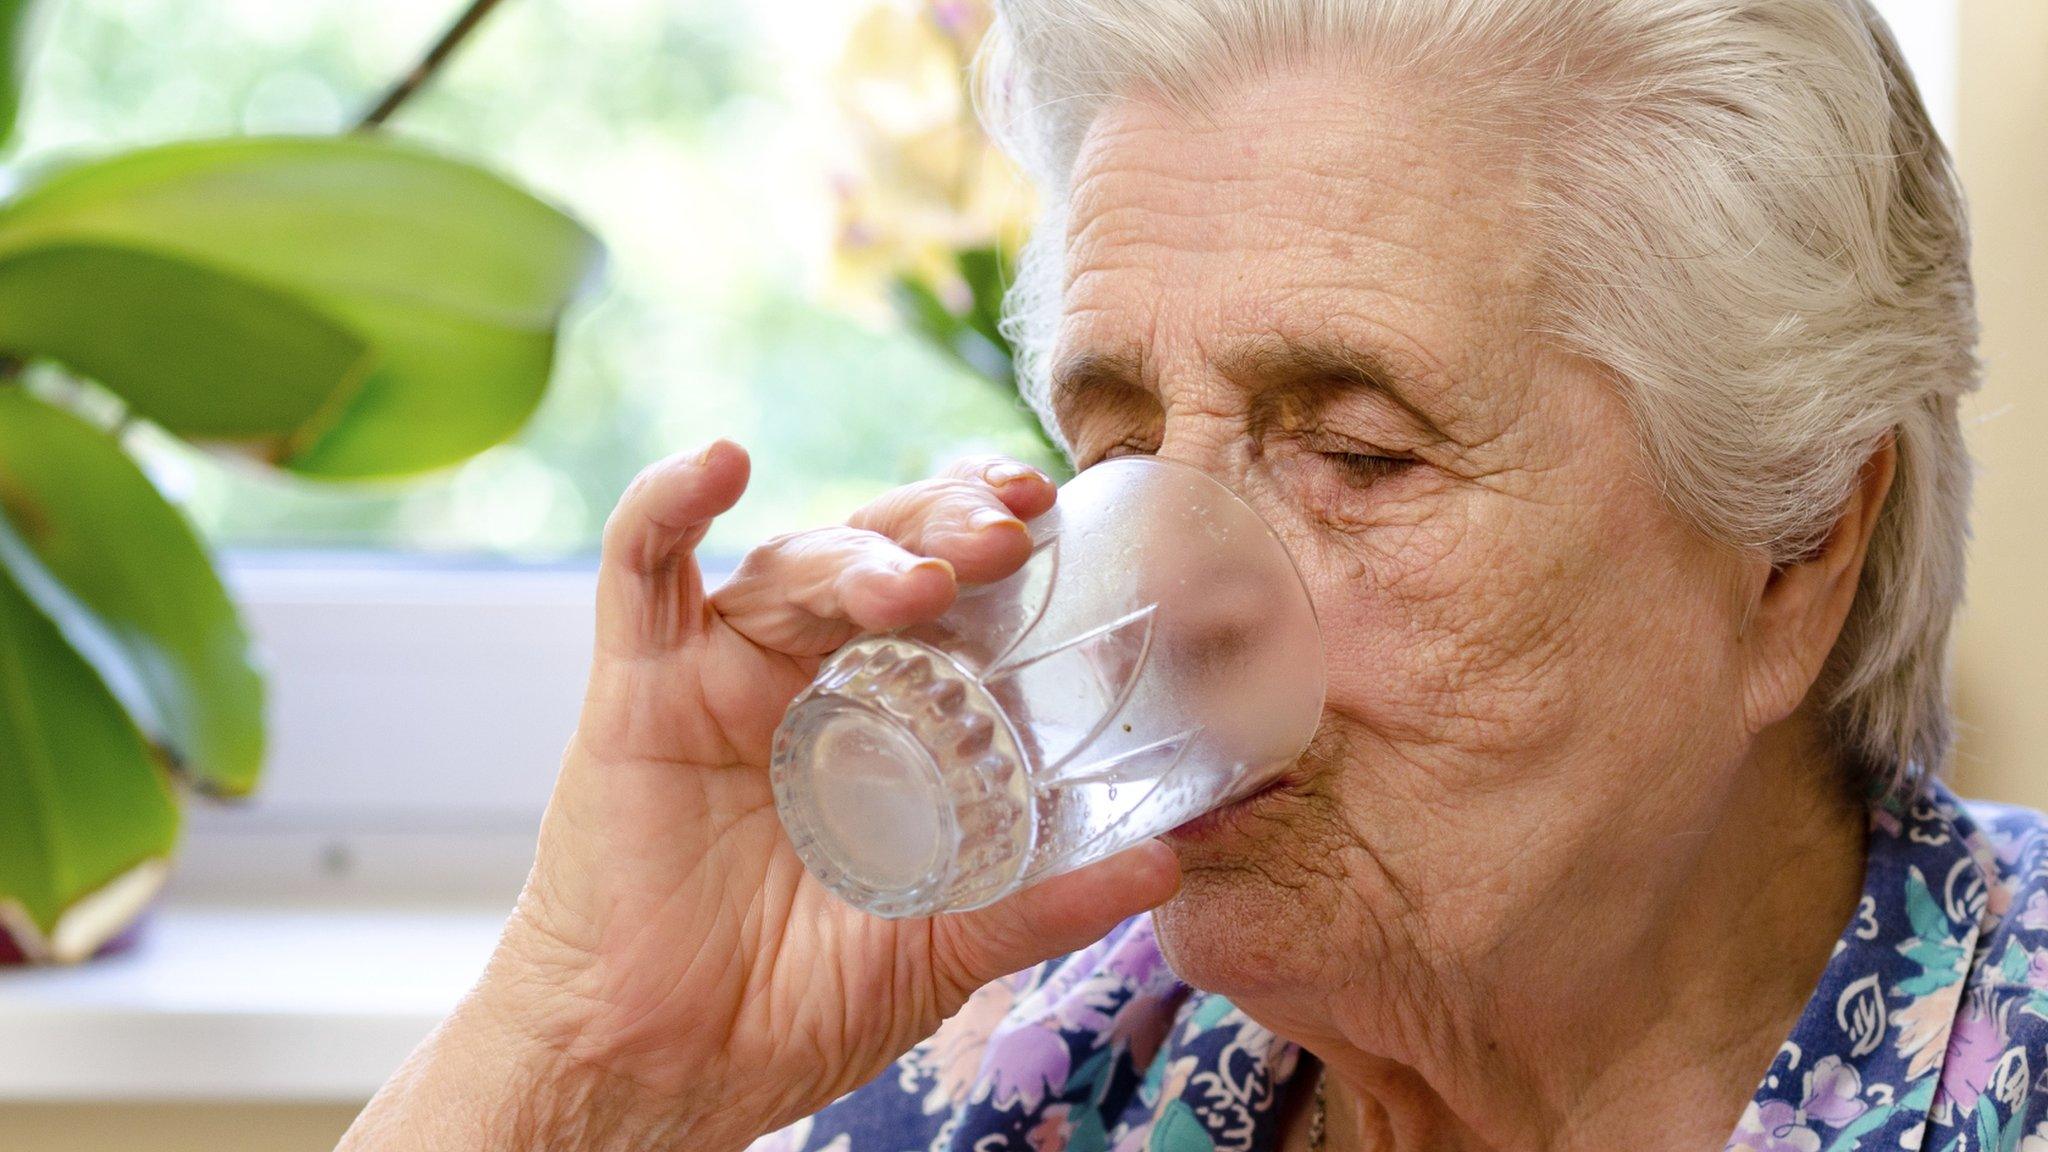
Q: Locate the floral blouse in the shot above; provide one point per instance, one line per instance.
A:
(1929, 1030)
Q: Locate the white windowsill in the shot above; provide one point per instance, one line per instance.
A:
(221, 1003)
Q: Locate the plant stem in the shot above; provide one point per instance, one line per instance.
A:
(11, 368)
(428, 65)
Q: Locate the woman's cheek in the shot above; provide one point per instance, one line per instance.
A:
(1338, 499)
(1415, 622)
(1387, 565)
(1393, 537)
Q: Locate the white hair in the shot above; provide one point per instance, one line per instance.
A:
(1744, 214)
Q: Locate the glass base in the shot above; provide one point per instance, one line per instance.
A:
(901, 784)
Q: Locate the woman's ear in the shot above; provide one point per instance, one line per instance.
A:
(1800, 609)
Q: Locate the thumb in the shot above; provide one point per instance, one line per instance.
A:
(1051, 919)
(650, 594)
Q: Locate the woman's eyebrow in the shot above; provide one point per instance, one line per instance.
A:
(1286, 376)
(1283, 377)
(1091, 377)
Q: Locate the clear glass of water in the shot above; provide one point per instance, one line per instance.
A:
(1155, 659)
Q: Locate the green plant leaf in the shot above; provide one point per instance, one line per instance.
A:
(921, 309)
(83, 807)
(982, 270)
(455, 279)
(14, 39)
(973, 339)
(206, 355)
(119, 573)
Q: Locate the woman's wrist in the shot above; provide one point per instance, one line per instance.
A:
(492, 1079)
(564, 1092)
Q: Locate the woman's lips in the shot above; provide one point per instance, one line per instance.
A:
(1220, 822)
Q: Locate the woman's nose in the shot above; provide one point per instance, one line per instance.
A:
(1212, 450)
(1222, 454)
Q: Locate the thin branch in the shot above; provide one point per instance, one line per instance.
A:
(429, 64)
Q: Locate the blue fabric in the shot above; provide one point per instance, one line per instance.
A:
(1929, 1030)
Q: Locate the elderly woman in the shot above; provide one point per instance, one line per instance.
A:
(1599, 363)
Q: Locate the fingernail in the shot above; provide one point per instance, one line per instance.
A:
(704, 457)
(1008, 473)
(926, 564)
(987, 518)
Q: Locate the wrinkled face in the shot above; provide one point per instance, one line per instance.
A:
(1323, 299)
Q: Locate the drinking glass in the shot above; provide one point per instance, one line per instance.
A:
(1156, 658)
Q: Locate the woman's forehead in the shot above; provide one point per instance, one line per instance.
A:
(1295, 216)
(1307, 158)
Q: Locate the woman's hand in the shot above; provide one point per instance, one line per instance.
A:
(672, 971)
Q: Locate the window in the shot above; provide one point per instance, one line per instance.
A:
(704, 140)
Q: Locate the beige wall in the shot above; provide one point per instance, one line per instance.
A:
(171, 1127)
(2002, 654)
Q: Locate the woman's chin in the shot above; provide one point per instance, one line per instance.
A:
(1252, 914)
(1226, 932)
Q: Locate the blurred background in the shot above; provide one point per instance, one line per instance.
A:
(759, 171)
(803, 233)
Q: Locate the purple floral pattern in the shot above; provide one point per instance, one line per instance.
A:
(1928, 1030)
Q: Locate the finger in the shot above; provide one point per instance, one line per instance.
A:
(650, 594)
(1026, 491)
(1050, 919)
(964, 520)
(807, 593)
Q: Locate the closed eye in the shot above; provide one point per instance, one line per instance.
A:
(1364, 467)
(1128, 446)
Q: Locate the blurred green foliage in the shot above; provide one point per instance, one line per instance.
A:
(14, 34)
(700, 137)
